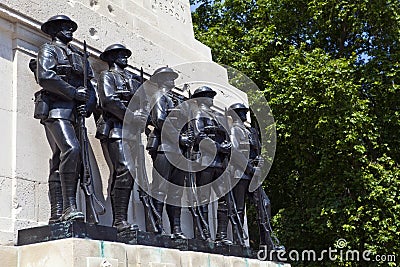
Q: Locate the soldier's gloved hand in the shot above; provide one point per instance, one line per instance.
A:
(225, 147)
(190, 134)
(187, 139)
(82, 110)
(81, 94)
(136, 120)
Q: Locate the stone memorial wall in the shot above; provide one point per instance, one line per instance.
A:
(159, 33)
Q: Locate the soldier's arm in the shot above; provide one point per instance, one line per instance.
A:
(108, 99)
(239, 159)
(92, 101)
(198, 128)
(159, 112)
(47, 75)
(139, 93)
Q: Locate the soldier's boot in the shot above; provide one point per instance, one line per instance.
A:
(222, 227)
(120, 202)
(265, 236)
(159, 208)
(69, 184)
(174, 216)
(56, 201)
(205, 230)
(266, 241)
(234, 232)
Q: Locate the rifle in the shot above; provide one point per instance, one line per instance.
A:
(201, 222)
(264, 214)
(233, 213)
(152, 215)
(262, 201)
(86, 175)
(151, 212)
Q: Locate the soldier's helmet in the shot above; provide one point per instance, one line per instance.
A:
(238, 107)
(163, 74)
(204, 91)
(111, 51)
(50, 26)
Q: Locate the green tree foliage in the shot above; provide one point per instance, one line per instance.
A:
(330, 72)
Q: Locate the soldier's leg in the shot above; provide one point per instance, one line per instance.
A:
(174, 212)
(222, 222)
(263, 206)
(55, 192)
(222, 208)
(63, 133)
(204, 177)
(161, 173)
(239, 194)
(121, 186)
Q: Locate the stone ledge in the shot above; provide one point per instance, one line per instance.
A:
(94, 244)
(64, 230)
(77, 252)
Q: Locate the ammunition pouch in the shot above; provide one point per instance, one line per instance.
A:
(153, 141)
(210, 130)
(41, 105)
(103, 128)
(123, 94)
(76, 64)
(64, 72)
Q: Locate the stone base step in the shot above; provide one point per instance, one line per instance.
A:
(79, 252)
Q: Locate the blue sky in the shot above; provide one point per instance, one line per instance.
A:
(193, 7)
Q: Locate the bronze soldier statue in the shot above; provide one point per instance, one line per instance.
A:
(116, 87)
(164, 78)
(60, 72)
(246, 153)
(207, 126)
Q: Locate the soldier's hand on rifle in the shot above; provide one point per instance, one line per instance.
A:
(187, 139)
(82, 111)
(137, 120)
(81, 94)
(225, 147)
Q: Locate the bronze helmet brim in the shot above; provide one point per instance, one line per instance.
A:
(56, 20)
(107, 55)
(163, 74)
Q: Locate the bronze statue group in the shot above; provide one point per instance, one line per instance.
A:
(68, 97)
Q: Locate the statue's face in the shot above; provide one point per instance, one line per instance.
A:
(242, 114)
(65, 32)
(121, 59)
(168, 83)
(205, 100)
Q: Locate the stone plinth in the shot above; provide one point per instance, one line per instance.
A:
(83, 230)
(75, 252)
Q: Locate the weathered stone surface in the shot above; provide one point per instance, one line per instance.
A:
(74, 252)
(8, 256)
(96, 262)
(55, 253)
(5, 199)
(24, 201)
